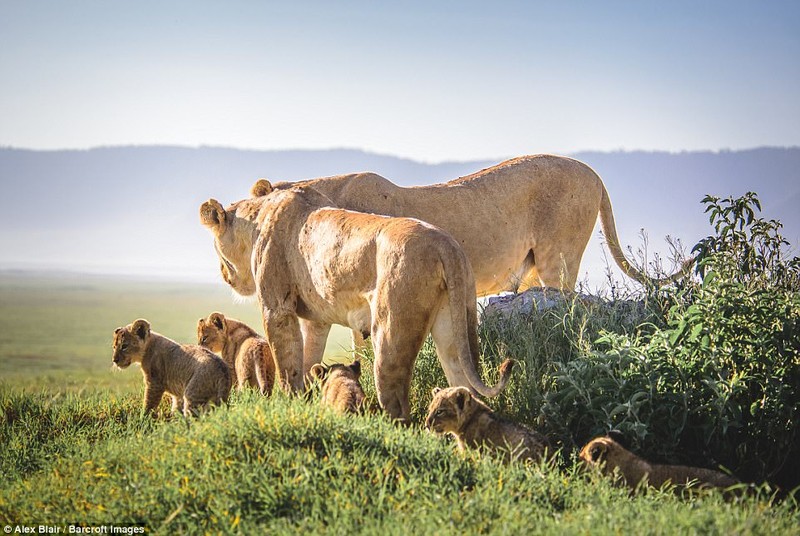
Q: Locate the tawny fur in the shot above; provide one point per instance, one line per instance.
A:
(456, 411)
(191, 375)
(612, 459)
(341, 389)
(312, 265)
(245, 352)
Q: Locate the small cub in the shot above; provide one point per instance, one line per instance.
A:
(610, 457)
(185, 372)
(340, 387)
(243, 350)
(456, 411)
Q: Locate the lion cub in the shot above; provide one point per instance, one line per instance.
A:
(456, 411)
(340, 387)
(185, 372)
(609, 456)
(243, 350)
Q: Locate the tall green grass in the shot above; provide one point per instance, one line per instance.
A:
(285, 465)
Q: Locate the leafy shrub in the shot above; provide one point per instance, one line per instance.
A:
(720, 383)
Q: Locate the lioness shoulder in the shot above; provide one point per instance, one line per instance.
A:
(246, 353)
(456, 411)
(192, 375)
(341, 389)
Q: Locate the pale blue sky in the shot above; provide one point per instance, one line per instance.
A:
(427, 80)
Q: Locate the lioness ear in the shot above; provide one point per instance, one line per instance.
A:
(261, 188)
(141, 328)
(355, 366)
(317, 371)
(212, 215)
(218, 320)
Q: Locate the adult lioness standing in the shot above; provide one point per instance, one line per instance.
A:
(397, 278)
(522, 223)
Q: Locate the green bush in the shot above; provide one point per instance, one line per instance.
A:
(719, 383)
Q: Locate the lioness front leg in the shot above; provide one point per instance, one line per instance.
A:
(286, 342)
(315, 335)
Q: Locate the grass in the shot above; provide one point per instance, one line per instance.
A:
(285, 465)
(76, 447)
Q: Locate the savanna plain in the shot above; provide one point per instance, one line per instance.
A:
(705, 372)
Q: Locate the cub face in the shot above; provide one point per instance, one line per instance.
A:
(129, 343)
(212, 332)
(446, 409)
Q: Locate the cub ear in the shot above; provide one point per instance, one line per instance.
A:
(435, 391)
(317, 371)
(598, 452)
(463, 398)
(118, 331)
(355, 366)
(217, 320)
(141, 328)
(261, 188)
(213, 216)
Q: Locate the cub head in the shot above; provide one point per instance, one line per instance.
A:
(604, 453)
(212, 332)
(338, 370)
(129, 343)
(233, 230)
(449, 408)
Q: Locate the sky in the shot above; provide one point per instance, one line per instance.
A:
(432, 81)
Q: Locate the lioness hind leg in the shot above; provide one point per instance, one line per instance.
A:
(395, 353)
(447, 346)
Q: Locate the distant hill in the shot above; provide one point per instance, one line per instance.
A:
(134, 209)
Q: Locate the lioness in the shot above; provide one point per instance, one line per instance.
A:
(522, 223)
(456, 411)
(340, 387)
(397, 278)
(245, 352)
(611, 458)
(185, 372)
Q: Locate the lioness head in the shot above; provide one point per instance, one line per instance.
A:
(129, 343)
(448, 408)
(212, 332)
(338, 370)
(233, 237)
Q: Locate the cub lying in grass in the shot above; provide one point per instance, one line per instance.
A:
(185, 372)
(611, 459)
(243, 350)
(456, 411)
(340, 387)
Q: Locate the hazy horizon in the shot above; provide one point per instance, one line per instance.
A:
(433, 82)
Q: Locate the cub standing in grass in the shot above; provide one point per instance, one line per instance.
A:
(243, 350)
(456, 411)
(340, 387)
(609, 457)
(184, 371)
